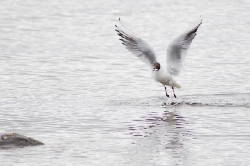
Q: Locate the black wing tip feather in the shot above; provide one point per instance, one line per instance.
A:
(125, 38)
(200, 22)
(194, 30)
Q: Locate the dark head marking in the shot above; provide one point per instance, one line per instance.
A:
(157, 66)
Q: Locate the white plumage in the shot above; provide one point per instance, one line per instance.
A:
(176, 52)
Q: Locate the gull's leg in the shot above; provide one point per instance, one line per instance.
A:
(173, 92)
(166, 91)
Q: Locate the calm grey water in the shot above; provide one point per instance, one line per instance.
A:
(66, 80)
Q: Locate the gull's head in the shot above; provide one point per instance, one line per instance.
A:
(157, 66)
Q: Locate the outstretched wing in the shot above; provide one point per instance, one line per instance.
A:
(177, 49)
(135, 45)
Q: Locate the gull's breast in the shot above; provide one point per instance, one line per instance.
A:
(162, 77)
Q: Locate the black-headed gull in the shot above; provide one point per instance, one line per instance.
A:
(176, 51)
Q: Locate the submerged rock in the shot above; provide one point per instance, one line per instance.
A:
(9, 140)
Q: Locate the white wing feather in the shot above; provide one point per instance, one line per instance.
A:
(177, 49)
(136, 45)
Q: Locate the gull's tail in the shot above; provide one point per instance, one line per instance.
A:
(176, 85)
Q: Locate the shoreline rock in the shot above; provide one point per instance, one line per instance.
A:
(9, 140)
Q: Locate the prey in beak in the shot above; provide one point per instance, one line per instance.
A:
(157, 66)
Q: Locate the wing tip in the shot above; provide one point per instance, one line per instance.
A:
(200, 20)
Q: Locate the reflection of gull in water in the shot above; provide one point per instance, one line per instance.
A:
(176, 52)
(166, 134)
(178, 133)
(173, 119)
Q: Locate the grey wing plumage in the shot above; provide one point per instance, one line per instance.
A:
(136, 46)
(178, 49)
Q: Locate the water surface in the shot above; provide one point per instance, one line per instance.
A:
(66, 80)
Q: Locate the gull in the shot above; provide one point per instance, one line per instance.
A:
(176, 53)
